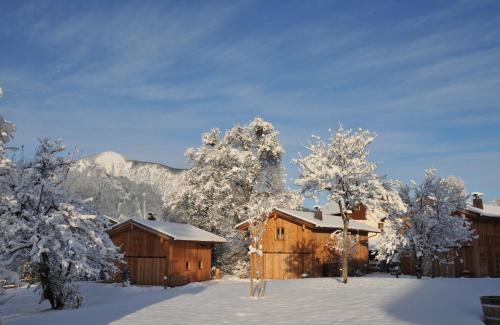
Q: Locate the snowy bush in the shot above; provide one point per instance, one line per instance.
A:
(241, 269)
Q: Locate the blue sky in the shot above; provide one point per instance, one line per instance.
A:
(147, 78)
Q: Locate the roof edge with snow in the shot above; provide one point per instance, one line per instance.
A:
(488, 210)
(174, 230)
(329, 222)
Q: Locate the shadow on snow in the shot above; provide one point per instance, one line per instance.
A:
(103, 304)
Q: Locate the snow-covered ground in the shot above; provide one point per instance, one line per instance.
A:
(375, 299)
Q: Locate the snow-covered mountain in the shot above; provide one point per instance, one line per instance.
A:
(119, 187)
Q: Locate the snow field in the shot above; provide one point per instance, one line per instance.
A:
(375, 299)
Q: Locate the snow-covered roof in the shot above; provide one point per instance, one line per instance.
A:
(488, 210)
(177, 231)
(329, 220)
(112, 220)
(331, 208)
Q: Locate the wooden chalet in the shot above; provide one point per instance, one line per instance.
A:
(155, 250)
(481, 258)
(295, 243)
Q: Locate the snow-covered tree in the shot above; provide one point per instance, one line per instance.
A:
(427, 225)
(390, 240)
(340, 169)
(6, 133)
(496, 201)
(59, 241)
(228, 180)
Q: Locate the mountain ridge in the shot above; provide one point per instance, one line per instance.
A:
(120, 187)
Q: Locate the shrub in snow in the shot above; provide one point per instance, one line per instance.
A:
(340, 169)
(228, 179)
(424, 226)
(59, 240)
(241, 269)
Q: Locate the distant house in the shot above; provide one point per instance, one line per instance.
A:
(296, 243)
(155, 250)
(481, 258)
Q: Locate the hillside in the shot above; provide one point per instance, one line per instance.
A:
(119, 187)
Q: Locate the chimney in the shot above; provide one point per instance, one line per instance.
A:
(151, 217)
(317, 213)
(477, 201)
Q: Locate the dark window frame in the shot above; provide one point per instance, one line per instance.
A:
(280, 233)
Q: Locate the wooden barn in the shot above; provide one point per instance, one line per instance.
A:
(296, 244)
(154, 250)
(481, 258)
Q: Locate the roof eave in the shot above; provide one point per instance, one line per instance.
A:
(172, 237)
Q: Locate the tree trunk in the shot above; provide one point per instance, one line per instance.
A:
(345, 251)
(56, 300)
(418, 266)
(345, 242)
(258, 287)
(251, 279)
(434, 266)
(250, 291)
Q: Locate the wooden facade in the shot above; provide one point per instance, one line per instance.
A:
(151, 255)
(295, 248)
(481, 258)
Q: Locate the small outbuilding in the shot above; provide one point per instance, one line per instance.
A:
(157, 251)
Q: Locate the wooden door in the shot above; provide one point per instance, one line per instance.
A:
(287, 265)
(146, 270)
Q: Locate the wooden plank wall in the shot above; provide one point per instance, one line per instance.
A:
(483, 251)
(137, 242)
(182, 252)
(303, 250)
(146, 270)
(145, 254)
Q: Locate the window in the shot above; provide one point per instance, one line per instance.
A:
(497, 261)
(188, 266)
(482, 259)
(200, 265)
(280, 233)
